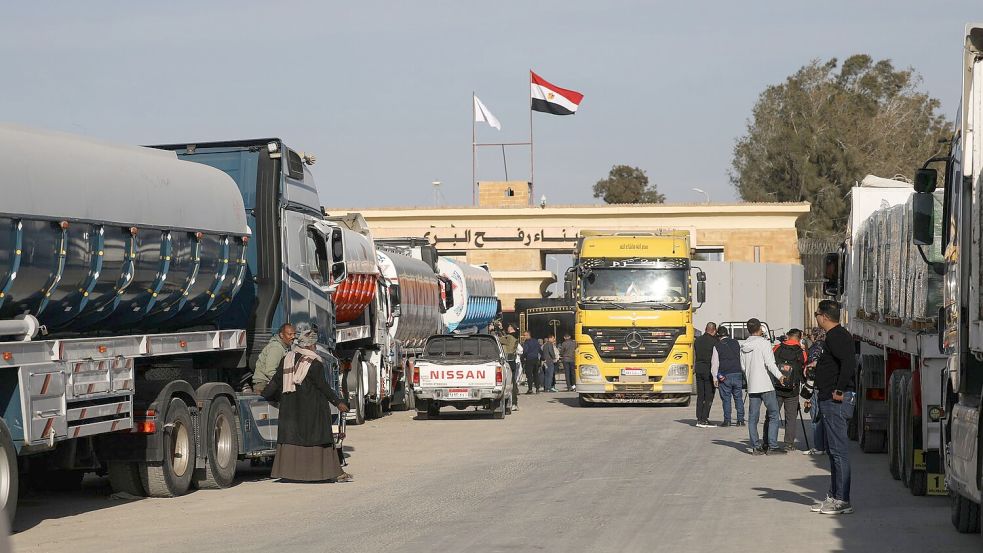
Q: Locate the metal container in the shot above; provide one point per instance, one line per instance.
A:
(358, 290)
(418, 292)
(475, 304)
(98, 238)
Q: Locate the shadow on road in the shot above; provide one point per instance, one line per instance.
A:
(815, 484)
(739, 446)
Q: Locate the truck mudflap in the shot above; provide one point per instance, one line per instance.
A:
(636, 397)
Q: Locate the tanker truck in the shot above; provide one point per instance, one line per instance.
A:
(136, 289)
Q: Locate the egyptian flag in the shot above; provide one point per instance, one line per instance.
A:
(549, 98)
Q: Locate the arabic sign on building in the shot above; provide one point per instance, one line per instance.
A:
(502, 238)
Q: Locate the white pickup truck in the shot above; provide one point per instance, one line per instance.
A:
(462, 371)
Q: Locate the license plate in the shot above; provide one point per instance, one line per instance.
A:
(633, 372)
(458, 393)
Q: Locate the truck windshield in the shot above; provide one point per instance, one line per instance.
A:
(657, 287)
(481, 349)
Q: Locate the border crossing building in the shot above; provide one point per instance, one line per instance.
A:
(517, 239)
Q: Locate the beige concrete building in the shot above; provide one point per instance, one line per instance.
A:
(514, 238)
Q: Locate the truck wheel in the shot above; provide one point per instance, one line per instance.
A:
(172, 476)
(8, 474)
(894, 461)
(872, 441)
(222, 442)
(907, 452)
(125, 478)
(373, 409)
(965, 514)
(918, 483)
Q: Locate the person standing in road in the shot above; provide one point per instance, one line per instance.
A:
(305, 442)
(725, 366)
(509, 346)
(270, 357)
(568, 355)
(703, 348)
(532, 353)
(759, 363)
(835, 390)
(791, 359)
(816, 349)
(551, 356)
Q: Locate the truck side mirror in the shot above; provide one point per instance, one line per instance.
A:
(831, 275)
(923, 219)
(394, 301)
(339, 270)
(926, 180)
(701, 291)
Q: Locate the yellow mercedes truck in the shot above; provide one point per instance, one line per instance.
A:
(634, 316)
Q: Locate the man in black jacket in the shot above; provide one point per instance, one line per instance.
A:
(703, 351)
(835, 390)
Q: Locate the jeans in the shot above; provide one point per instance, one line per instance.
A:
(571, 376)
(818, 435)
(549, 372)
(533, 376)
(791, 408)
(514, 365)
(771, 406)
(704, 396)
(733, 387)
(835, 418)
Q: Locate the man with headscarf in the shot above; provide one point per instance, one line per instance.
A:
(305, 443)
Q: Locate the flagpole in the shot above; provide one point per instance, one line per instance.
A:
(474, 141)
(532, 156)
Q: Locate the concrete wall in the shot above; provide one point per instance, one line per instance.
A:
(738, 291)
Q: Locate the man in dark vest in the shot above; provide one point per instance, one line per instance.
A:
(703, 352)
(791, 358)
(728, 374)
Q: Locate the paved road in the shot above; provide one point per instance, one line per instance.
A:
(551, 477)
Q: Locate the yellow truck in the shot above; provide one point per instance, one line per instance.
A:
(634, 317)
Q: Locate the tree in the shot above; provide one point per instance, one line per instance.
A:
(627, 185)
(814, 136)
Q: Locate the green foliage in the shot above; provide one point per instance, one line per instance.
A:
(627, 185)
(814, 136)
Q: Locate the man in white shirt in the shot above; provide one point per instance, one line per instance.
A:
(758, 361)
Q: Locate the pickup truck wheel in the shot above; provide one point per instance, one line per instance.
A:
(171, 477)
(222, 443)
(8, 474)
(433, 409)
(125, 478)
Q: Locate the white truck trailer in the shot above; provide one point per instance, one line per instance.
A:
(890, 295)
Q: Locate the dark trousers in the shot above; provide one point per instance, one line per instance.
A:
(791, 407)
(534, 377)
(515, 380)
(835, 418)
(571, 377)
(704, 396)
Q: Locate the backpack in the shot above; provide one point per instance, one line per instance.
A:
(790, 362)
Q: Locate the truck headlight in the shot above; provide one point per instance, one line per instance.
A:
(590, 372)
(678, 372)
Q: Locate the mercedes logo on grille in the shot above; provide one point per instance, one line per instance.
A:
(633, 340)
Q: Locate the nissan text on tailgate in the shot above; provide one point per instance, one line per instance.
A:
(462, 371)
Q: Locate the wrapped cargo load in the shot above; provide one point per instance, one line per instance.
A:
(358, 290)
(927, 289)
(867, 257)
(475, 304)
(418, 293)
(894, 263)
(102, 237)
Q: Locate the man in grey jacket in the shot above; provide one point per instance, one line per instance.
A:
(758, 361)
(270, 357)
(568, 354)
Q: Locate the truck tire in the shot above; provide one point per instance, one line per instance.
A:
(965, 514)
(221, 440)
(918, 483)
(171, 477)
(9, 477)
(893, 437)
(124, 477)
(872, 441)
(907, 453)
(373, 409)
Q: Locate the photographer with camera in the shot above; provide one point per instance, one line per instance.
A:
(811, 406)
(791, 359)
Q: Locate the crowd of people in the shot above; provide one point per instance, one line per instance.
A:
(789, 378)
(541, 361)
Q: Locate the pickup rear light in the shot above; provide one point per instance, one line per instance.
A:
(416, 375)
(499, 375)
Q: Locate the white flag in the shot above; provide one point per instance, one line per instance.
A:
(482, 115)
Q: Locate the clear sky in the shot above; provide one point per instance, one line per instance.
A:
(381, 91)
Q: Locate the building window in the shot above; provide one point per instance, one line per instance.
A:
(509, 192)
(757, 254)
(709, 253)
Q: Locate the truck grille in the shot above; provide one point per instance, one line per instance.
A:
(633, 342)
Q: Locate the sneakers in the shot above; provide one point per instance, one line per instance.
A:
(528, 392)
(790, 447)
(705, 424)
(725, 424)
(777, 451)
(573, 388)
(552, 390)
(741, 423)
(812, 451)
(836, 507)
(818, 507)
(756, 450)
